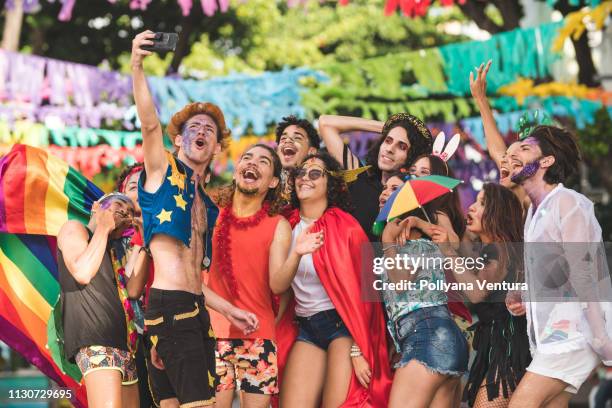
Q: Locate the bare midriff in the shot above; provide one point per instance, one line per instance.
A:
(178, 267)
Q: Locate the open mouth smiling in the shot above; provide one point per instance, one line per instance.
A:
(250, 175)
(288, 151)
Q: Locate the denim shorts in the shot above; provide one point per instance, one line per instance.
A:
(321, 328)
(430, 336)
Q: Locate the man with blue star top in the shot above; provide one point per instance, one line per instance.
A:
(178, 219)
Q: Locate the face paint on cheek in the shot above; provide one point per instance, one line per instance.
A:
(188, 137)
(528, 171)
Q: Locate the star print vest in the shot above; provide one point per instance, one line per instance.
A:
(168, 210)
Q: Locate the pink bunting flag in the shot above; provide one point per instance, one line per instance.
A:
(66, 11)
(139, 4)
(224, 5)
(209, 7)
(185, 6)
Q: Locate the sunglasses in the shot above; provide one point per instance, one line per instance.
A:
(313, 174)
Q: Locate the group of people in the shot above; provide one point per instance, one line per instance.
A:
(261, 289)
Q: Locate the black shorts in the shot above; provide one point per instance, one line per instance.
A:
(178, 325)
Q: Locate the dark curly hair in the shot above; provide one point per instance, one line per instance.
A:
(313, 136)
(337, 190)
(418, 135)
(125, 173)
(560, 144)
(225, 195)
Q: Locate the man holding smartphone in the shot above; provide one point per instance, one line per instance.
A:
(178, 220)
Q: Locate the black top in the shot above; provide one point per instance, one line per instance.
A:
(92, 315)
(364, 192)
(485, 310)
(364, 195)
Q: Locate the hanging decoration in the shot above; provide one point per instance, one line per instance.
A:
(373, 87)
(414, 8)
(41, 89)
(247, 101)
(575, 25)
(524, 88)
(409, 8)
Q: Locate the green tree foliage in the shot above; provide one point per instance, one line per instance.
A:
(269, 36)
(254, 35)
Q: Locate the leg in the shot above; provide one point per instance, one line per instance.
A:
(482, 399)
(255, 400)
(146, 400)
(256, 372)
(169, 403)
(224, 399)
(414, 386)
(130, 396)
(536, 390)
(226, 373)
(339, 372)
(103, 388)
(560, 401)
(303, 377)
(446, 394)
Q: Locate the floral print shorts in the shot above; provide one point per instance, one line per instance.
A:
(94, 358)
(249, 362)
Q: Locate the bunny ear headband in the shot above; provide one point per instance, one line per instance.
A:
(450, 148)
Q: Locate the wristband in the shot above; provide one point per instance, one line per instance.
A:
(147, 251)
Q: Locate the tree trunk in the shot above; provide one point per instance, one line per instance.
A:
(511, 11)
(587, 74)
(183, 45)
(12, 27)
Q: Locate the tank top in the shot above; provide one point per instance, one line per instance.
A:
(310, 295)
(250, 254)
(92, 314)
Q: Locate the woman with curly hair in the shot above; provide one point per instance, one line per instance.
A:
(336, 354)
(403, 138)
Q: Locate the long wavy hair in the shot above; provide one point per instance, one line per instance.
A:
(502, 220)
(418, 135)
(273, 197)
(337, 190)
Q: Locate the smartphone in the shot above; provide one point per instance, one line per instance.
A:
(162, 42)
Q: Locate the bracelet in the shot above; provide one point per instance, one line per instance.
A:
(147, 251)
(385, 249)
(353, 355)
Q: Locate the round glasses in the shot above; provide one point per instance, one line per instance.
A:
(313, 174)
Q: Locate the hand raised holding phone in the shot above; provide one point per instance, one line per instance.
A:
(147, 42)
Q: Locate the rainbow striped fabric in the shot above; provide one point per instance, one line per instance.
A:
(38, 194)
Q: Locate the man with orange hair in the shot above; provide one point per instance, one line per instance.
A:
(178, 219)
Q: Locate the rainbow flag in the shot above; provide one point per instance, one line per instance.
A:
(38, 194)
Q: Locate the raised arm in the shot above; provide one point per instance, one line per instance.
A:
(331, 127)
(82, 258)
(137, 268)
(495, 142)
(152, 136)
(284, 259)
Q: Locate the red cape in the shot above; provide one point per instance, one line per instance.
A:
(339, 264)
